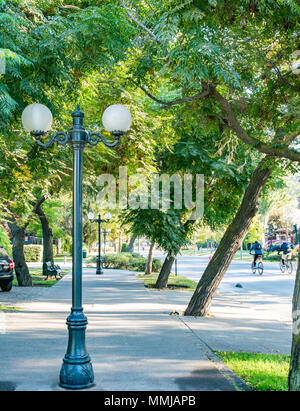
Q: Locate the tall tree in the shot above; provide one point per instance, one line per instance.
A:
(230, 242)
(47, 234)
(18, 232)
(294, 373)
(150, 259)
(236, 58)
(46, 51)
(234, 63)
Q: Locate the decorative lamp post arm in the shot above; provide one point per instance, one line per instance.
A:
(94, 137)
(61, 138)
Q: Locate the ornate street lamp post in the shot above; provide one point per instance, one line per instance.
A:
(76, 371)
(271, 236)
(99, 220)
(105, 232)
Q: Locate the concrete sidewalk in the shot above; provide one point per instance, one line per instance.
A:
(134, 342)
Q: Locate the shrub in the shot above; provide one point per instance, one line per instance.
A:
(123, 261)
(156, 265)
(128, 261)
(8, 249)
(33, 253)
(273, 256)
(137, 264)
(124, 248)
(4, 239)
(54, 251)
(117, 261)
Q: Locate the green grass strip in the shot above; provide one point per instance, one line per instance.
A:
(6, 308)
(175, 283)
(261, 372)
(38, 279)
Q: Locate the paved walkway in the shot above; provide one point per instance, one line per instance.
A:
(134, 342)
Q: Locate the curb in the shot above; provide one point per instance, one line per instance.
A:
(224, 370)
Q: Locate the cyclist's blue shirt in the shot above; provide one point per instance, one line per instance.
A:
(258, 252)
(285, 248)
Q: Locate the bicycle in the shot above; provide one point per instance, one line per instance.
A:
(287, 266)
(258, 267)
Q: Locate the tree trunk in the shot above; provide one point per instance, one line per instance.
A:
(294, 374)
(47, 236)
(131, 244)
(165, 271)
(200, 302)
(150, 259)
(22, 272)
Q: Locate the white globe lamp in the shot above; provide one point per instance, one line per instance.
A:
(116, 118)
(37, 118)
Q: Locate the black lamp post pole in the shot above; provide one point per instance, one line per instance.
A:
(271, 236)
(76, 371)
(100, 220)
(99, 260)
(104, 240)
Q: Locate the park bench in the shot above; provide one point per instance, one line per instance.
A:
(51, 270)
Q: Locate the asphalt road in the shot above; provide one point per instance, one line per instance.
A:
(270, 293)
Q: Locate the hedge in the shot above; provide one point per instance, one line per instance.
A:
(33, 253)
(128, 261)
(276, 257)
(54, 251)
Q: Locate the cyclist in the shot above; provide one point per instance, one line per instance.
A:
(286, 252)
(257, 251)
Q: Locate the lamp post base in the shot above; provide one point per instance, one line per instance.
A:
(99, 267)
(76, 371)
(76, 376)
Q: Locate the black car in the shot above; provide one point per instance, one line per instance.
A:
(6, 271)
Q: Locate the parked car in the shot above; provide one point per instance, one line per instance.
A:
(6, 271)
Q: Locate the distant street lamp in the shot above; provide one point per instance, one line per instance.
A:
(76, 371)
(105, 232)
(99, 220)
(271, 234)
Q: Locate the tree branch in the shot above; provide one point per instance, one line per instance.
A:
(285, 82)
(266, 148)
(138, 23)
(168, 104)
(62, 6)
(38, 204)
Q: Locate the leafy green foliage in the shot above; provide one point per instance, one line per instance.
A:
(244, 48)
(175, 282)
(128, 261)
(4, 239)
(33, 253)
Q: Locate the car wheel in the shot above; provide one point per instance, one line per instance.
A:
(6, 286)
